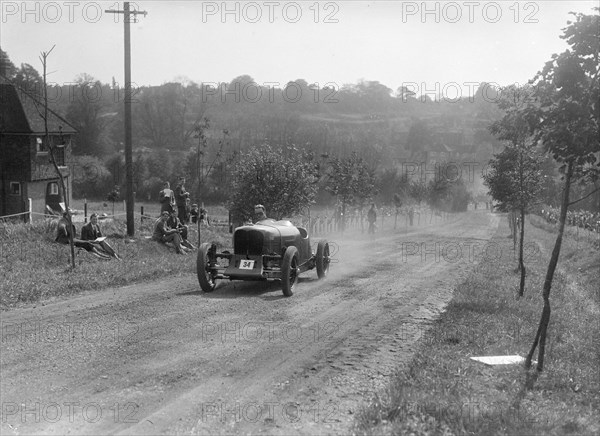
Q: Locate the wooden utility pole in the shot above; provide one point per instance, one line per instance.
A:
(127, 17)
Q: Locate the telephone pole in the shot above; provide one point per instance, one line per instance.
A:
(127, 18)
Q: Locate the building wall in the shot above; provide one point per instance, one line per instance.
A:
(41, 163)
(22, 163)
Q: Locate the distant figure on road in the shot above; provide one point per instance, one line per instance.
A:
(372, 218)
(167, 198)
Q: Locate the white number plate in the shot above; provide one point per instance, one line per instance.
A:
(246, 264)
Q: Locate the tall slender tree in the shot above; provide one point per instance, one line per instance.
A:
(515, 177)
(568, 114)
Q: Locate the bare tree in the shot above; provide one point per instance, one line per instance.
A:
(52, 152)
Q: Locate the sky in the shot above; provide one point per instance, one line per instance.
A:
(443, 47)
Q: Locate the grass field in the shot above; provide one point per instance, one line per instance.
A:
(25, 248)
(35, 268)
(443, 391)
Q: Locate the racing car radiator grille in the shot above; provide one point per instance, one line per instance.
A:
(248, 242)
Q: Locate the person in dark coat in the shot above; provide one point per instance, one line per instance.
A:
(181, 195)
(65, 229)
(91, 232)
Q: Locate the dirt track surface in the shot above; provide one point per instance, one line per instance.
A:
(166, 358)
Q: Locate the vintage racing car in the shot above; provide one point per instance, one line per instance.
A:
(268, 250)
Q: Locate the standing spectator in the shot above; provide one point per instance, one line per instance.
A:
(188, 210)
(181, 195)
(372, 218)
(167, 198)
(163, 233)
(91, 232)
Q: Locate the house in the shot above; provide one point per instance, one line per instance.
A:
(27, 176)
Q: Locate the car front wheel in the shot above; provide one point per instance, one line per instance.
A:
(322, 259)
(205, 277)
(289, 271)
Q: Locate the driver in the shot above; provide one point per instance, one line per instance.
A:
(259, 213)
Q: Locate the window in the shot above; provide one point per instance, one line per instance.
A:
(15, 188)
(39, 145)
(59, 155)
(53, 188)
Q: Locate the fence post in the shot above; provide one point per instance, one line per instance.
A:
(30, 210)
(142, 214)
(85, 210)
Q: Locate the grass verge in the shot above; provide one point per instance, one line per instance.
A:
(443, 391)
(33, 267)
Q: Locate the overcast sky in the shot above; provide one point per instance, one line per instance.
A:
(445, 43)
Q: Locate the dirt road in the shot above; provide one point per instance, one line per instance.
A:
(165, 358)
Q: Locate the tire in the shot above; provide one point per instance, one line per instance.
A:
(289, 271)
(322, 260)
(205, 278)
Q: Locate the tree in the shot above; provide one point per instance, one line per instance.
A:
(86, 113)
(7, 68)
(568, 114)
(419, 136)
(283, 180)
(28, 78)
(350, 181)
(515, 177)
(52, 149)
(90, 177)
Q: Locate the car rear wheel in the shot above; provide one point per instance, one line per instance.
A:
(289, 271)
(322, 260)
(205, 277)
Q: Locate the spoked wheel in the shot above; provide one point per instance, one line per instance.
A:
(289, 271)
(323, 259)
(205, 276)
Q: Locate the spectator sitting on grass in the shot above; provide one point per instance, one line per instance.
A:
(91, 232)
(194, 212)
(64, 231)
(174, 223)
(163, 233)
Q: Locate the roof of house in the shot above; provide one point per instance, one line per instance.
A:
(20, 112)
